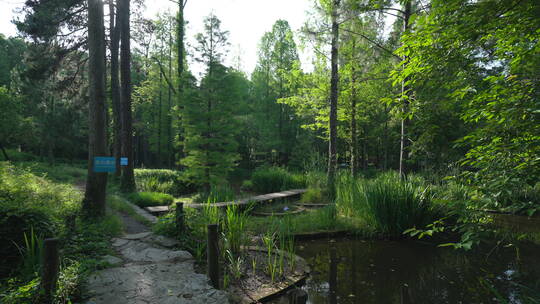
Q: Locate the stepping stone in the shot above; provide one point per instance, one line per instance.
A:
(136, 236)
(112, 260)
(163, 241)
(137, 251)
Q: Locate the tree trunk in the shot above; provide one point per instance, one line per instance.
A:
(127, 182)
(354, 135)
(180, 71)
(169, 107)
(332, 157)
(115, 87)
(159, 118)
(404, 140)
(93, 204)
(6, 157)
(50, 132)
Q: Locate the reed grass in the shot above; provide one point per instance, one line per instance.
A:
(387, 203)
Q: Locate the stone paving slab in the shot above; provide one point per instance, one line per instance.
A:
(152, 272)
(154, 283)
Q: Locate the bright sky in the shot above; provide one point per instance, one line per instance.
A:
(246, 20)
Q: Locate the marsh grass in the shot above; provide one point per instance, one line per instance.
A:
(31, 254)
(387, 203)
(218, 193)
(234, 228)
(274, 179)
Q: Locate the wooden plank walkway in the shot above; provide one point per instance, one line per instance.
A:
(243, 202)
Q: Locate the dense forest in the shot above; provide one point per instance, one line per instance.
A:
(439, 96)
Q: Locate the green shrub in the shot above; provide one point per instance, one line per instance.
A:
(274, 179)
(15, 155)
(247, 185)
(387, 203)
(148, 199)
(29, 202)
(162, 180)
(316, 179)
(314, 195)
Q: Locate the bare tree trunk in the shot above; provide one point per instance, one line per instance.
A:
(115, 87)
(127, 182)
(93, 204)
(404, 140)
(354, 133)
(332, 157)
(159, 117)
(169, 106)
(180, 71)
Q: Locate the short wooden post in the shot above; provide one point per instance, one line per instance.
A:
(180, 217)
(297, 296)
(405, 296)
(213, 255)
(51, 264)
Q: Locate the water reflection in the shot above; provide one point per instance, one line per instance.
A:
(357, 271)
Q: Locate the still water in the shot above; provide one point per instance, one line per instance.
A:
(373, 272)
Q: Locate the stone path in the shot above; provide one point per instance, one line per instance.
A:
(150, 271)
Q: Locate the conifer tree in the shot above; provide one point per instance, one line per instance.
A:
(210, 126)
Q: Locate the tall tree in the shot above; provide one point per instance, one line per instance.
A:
(180, 33)
(332, 143)
(405, 98)
(210, 123)
(96, 183)
(127, 182)
(114, 30)
(276, 125)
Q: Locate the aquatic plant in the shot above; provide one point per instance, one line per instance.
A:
(387, 203)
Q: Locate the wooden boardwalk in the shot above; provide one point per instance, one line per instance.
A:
(243, 202)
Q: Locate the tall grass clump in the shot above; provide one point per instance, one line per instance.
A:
(274, 179)
(387, 203)
(147, 199)
(218, 193)
(234, 228)
(163, 180)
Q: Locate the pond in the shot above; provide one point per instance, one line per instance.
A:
(360, 271)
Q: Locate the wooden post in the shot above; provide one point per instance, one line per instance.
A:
(51, 264)
(405, 296)
(213, 255)
(180, 217)
(297, 296)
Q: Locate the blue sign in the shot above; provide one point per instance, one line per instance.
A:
(123, 161)
(104, 164)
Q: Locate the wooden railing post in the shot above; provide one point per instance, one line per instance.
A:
(405, 296)
(213, 255)
(51, 264)
(180, 225)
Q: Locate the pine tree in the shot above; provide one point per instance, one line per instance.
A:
(209, 122)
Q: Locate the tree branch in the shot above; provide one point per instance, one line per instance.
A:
(162, 71)
(373, 42)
